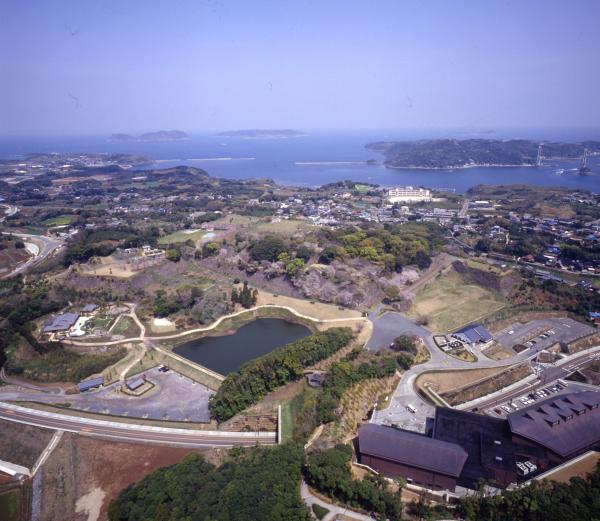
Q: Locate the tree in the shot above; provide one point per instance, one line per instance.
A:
(209, 249)
(267, 248)
(173, 254)
(404, 343)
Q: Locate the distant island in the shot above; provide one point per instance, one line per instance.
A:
(452, 153)
(161, 135)
(263, 133)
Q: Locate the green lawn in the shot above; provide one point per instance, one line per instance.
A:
(362, 188)
(181, 236)
(285, 226)
(100, 321)
(450, 303)
(61, 220)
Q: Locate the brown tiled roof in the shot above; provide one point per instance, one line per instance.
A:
(412, 449)
(564, 424)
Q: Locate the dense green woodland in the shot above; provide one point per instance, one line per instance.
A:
(577, 501)
(330, 473)
(257, 484)
(259, 376)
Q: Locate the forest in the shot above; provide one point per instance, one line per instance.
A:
(541, 501)
(254, 484)
(329, 472)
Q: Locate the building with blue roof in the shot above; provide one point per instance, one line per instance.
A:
(86, 385)
(474, 334)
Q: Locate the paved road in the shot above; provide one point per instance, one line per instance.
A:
(133, 432)
(334, 510)
(385, 329)
(48, 247)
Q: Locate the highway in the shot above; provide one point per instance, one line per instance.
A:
(130, 432)
(47, 245)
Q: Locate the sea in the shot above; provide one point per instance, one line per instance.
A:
(321, 157)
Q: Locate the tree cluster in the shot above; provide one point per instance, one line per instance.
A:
(329, 472)
(344, 374)
(257, 483)
(540, 501)
(244, 296)
(259, 376)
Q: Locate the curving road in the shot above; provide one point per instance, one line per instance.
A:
(133, 432)
(48, 246)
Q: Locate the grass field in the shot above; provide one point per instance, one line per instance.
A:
(484, 266)
(181, 236)
(450, 303)
(362, 188)
(283, 227)
(61, 220)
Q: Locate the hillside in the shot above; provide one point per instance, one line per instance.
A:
(452, 153)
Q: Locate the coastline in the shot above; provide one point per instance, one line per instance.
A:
(463, 167)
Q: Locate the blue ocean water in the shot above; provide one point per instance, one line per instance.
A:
(323, 157)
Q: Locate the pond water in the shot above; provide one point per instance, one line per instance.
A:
(225, 354)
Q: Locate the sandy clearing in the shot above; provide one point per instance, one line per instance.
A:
(91, 503)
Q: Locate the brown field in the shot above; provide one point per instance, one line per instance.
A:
(444, 381)
(317, 310)
(487, 385)
(497, 352)
(579, 468)
(22, 444)
(84, 474)
(9, 258)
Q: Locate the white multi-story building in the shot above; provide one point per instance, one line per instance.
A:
(408, 194)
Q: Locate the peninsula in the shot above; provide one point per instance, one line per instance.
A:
(161, 135)
(263, 133)
(453, 153)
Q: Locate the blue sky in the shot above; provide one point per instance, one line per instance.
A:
(94, 67)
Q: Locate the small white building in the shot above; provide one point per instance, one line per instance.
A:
(408, 194)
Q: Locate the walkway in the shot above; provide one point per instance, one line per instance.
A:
(334, 510)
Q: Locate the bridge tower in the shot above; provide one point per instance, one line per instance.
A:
(538, 161)
(584, 169)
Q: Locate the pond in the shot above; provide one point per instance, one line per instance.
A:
(225, 354)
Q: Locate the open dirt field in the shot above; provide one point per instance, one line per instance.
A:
(83, 474)
(450, 303)
(580, 468)
(444, 381)
(109, 267)
(497, 352)
(487, 385)
(22, 444)
(317, 310)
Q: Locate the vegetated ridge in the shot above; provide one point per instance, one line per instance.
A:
(453, 153)
(262, 133)
(161, 135)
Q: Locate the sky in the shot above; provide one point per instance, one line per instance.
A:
(94, 67)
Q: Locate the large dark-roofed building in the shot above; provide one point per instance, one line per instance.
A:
(421, 460)
(567, 425)
(62, 322)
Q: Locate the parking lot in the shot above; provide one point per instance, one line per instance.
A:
(173, 397)
(541, 334)
(541, 393)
